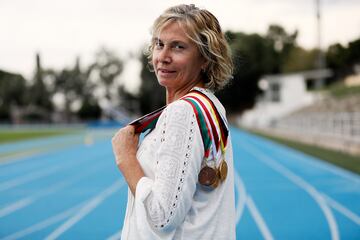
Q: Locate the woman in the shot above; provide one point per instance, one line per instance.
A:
(167, 198)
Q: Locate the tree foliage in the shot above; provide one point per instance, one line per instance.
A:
(39, 94)
(70, 83)
(342, 58)
(300, 59)
(108, 66)
(254, 55)
(12, 93)
(151, 94)
(75, 85)
(82, 88)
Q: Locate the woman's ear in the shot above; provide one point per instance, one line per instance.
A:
(204, 66)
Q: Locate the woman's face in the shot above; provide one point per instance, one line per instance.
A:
(176, 59)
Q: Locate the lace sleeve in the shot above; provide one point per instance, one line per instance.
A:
(168, 198)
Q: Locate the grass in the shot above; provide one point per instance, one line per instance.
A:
(339, 90)
(346, 161)
(18, 135)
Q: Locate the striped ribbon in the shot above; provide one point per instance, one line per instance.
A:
(213, 127)
(147, 121)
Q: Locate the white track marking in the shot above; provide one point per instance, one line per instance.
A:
(91, 205)
(302, 184)
(13, 157)
(317, 163)
(16, 206)
(27, 178)
(340, 172)
(43, 224)
(50, 189)
(240, 204)
(115, 236)
(346, 212)
(258, 219)
(38, 174)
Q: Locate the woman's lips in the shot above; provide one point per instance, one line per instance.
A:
(165, 72)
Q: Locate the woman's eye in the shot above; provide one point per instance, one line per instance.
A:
(159, 44)
(178, 47)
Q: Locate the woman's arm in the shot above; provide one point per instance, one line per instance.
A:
(124, 145)
(165, 200)
(162, 203)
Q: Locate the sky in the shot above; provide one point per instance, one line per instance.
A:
(61, 30)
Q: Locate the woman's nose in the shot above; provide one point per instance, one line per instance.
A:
(164, 55)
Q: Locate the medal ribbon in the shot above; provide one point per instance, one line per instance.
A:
(219, 141)
(213, 118)
(213, 137)
(223, 124)
(147, 121)
(213, 129)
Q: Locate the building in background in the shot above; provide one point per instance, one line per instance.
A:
(283, 94)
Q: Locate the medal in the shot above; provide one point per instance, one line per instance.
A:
(223, 169)
(208, 176)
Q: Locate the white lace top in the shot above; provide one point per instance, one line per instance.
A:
(169, 202)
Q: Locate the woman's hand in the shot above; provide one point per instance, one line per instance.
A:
(124, 144)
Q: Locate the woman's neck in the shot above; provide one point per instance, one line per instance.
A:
(174, 94)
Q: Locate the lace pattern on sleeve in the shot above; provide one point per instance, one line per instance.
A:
(172, 161)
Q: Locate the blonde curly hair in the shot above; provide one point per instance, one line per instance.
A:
(204, 30)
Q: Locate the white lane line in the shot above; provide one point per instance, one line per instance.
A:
(116, 236)
(90, 206)
(31, 176)
(241, 190)
(258, 219)
(340, 172)
(346, 212)
(16, 206)
(13, 157)
(43, 224)
(302, 184)
(316, 162)
(9, 209)
(27, 178)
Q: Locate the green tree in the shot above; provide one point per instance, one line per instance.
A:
(71, 84)
(151, 94)
(90, 109)
(354, 52)
(253, 56)
(128, 101)
(282, 44)
(341, 59)
(300, 59)
(108, 66)
(39, 94)
(337, 56)
(12, 93)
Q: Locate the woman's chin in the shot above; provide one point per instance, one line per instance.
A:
(164, 82)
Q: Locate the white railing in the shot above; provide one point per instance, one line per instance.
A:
(339, 125)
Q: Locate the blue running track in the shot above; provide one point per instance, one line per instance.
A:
(68, 187)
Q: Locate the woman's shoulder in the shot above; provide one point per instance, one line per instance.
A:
(211, 95)
(179, 107)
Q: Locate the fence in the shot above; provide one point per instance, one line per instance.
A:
(339, 130)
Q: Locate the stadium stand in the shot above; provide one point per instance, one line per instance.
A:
(332, 123)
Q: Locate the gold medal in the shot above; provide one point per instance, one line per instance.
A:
(223, 169)
(207, 176)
